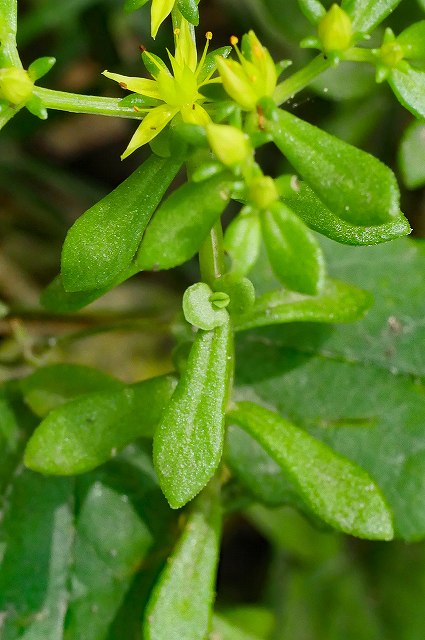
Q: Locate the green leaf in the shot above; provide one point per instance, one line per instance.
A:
(317, 216)
(210, 63)
(85, 432)
(182, 223)
(338, 302)
(357, 187)
(51, 386)
(189, 440)
(338, 491)
(103, 241)
(245, 620)
(55, 298)
(294, 253)
(106, 556)
(241, 292)
(412, 40)
(189, 10)
(312, 9)
(36, 539)
(8, 22)
(180, 605)
(362, 384)
(409, 88)
(133, 5)
(242, 241)
(411, 155)
(199, 310)
(367, 14)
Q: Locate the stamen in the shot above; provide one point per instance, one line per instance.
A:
(234, 40)
(208, 36)
(142, 48)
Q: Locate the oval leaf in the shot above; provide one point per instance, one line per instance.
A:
(357, 187)
(367, 14)
(199, 310)
(412, 40)
(104, 240)
(409, 88)
(181, 602)
(189, 440)
(338, 302)
(242, 242)
(189, 10)
(85, 432)
(336, 489)
(49, 387)
(318, 217)
(411, 155)
(294, 253)
(182, 223)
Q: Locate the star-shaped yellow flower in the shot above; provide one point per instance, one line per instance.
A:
(178, 91)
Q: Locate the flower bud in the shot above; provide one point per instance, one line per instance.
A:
(15, 85)
(237, 84)
(229, 144)
(263, 192)
(335, 30)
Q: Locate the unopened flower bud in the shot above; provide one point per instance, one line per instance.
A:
(229, 144)
(335, 30)
(237, 84)
(263, 192)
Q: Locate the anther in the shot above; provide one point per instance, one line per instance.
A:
(234, 40)
(209, 35)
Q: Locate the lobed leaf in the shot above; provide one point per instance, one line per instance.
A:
(354, 185)
(85, 432)
(189, 440)
(181, 602)
(103, 241)
(182, 223)
(336, 489)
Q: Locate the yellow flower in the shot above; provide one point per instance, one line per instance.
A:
(178, 91)
(253, 77)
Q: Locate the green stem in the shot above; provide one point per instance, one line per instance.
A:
(211, 255)
(76, 103)
(359, 54)
(301, 79)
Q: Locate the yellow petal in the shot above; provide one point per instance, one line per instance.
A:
(195, 114)
(160, 9)
(151, 125)
(143, 86)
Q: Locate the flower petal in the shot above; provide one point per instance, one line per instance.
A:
(160, 9)
(195, 114)
(151, 125)
(138, 85)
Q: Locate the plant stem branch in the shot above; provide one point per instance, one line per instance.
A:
(76, 103)
(300, 79)
(211, 255)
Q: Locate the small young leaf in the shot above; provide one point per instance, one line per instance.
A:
(85, 432)
(367, 14)
(294, 253)
(312, 9)
(181, 602)
(412, 41)
(240, 291)
(318, 217)
(409, 89)
(338, 302)
(103, 241)
(189, 10)
(51, 386)
(411, 155)
(242, 242)
(199, 310)
(355, 186)
(189, 440)
(182, 223)
(336, 489)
